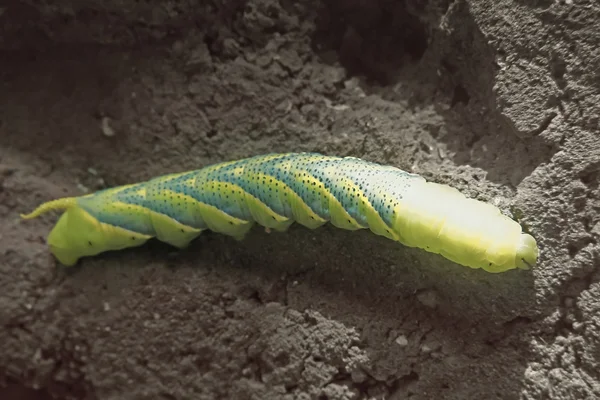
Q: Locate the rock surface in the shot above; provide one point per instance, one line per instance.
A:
(499, 98)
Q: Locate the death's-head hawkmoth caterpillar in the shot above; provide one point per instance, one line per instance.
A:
(276, 190)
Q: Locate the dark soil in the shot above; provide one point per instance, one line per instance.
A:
(498, 98)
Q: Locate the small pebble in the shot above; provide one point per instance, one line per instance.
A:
(107, 130)
(401, 341)
(428, 298)
(83, 188)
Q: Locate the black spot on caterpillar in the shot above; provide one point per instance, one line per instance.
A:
(277, 190)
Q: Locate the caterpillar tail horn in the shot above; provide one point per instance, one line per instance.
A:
(54, 205)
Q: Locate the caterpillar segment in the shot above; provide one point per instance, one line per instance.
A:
(276, 190)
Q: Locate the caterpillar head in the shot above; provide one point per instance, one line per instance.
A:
(520, 252)
(78, 234)
(527, 252)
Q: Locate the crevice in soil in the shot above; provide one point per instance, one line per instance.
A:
(371, 39)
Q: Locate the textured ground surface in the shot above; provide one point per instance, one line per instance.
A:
(499, 98)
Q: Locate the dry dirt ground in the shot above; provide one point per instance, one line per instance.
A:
(499, 98)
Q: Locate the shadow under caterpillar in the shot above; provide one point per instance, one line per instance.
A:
(276, 190)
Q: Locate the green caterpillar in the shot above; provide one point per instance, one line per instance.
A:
(276, 190)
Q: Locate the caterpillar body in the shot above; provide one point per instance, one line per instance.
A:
(276, 190)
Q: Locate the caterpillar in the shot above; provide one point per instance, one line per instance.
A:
(276, 190)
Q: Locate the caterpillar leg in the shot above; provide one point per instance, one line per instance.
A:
(170, 231)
